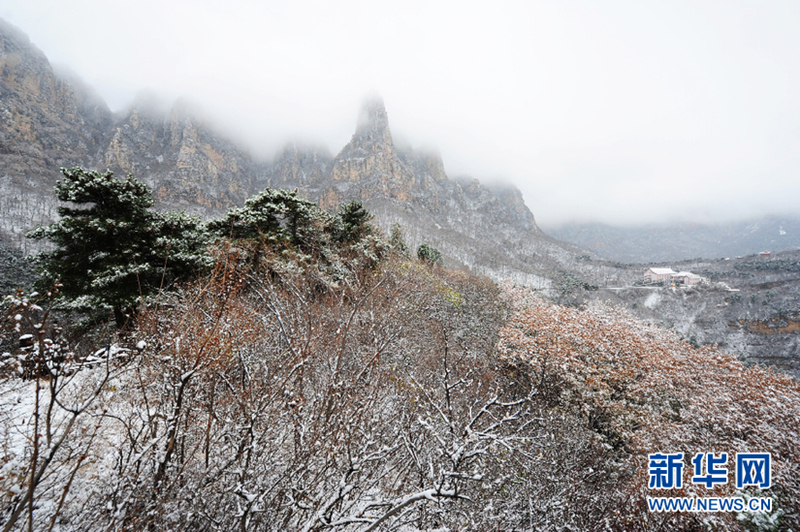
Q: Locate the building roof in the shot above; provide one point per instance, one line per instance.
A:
(662, 271)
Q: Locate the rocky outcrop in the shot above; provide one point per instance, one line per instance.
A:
(179, 157)
(369, 165)
(45, 123)
(52, 120)
(301, 166)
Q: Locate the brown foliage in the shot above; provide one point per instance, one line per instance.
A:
(645, 391)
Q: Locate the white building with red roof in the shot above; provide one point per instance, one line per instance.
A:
(654, 275)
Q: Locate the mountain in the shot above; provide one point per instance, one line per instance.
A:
(748, 306)
(46, 123)
(51, 121)
(180, 157)
(489, 229)
(664, 242)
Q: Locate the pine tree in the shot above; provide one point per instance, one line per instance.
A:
(352, 222)
(429, 254)
(397, 241)
(276, 216)
(111, 249)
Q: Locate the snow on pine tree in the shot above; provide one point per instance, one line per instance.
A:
(110, 248)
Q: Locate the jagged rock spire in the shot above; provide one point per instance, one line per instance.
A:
(370, 158)
(370, 152)
(373, 122)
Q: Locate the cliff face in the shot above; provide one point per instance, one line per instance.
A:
(178, 156)
(46, 123)
(46, 120)
(369, 165)
(305, 167)
(51, 121)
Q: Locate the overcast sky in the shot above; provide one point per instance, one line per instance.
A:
(621, 112)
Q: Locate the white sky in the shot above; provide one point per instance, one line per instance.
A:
(613, 111)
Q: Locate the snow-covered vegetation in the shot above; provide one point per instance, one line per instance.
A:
(642, 390)
(319, 378)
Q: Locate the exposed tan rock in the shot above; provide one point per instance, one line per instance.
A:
(790, 325)
(181, 158)
(45, 123)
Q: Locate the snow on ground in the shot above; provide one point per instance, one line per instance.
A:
(652, 300)
(17, 400)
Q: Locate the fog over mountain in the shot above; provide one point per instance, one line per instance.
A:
(619, 112)
(189, 165)
(370, 325)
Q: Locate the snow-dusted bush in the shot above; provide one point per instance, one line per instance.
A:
(392, 396)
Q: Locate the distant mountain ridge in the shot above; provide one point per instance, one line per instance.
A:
(50, 122)
(675, 242)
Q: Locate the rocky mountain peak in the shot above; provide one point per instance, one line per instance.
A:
(373, 122)
(372, 135)
(370, 158)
